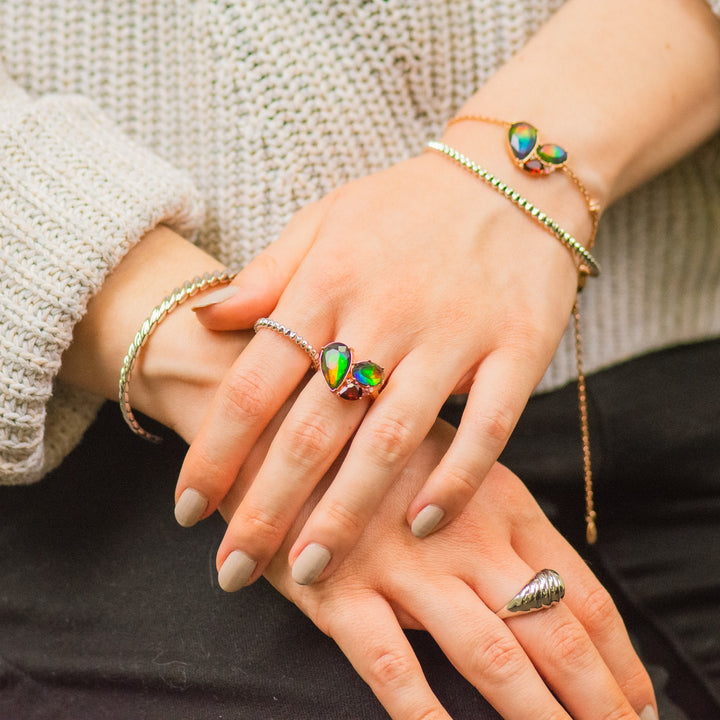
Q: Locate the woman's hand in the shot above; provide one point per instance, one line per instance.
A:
(442, 282)
(451, 584)
(422, 270)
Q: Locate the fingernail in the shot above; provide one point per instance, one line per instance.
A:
(648, 713)
(310, 563)
(235, 572)
(426, 520)
(215, 297)
(190, 507)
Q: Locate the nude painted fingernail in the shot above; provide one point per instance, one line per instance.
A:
(426, 520)
(648, 713)
(310, 563)
(235, 572)
(190, 507)
(215, 297)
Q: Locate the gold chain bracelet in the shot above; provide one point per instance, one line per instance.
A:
(586, 266)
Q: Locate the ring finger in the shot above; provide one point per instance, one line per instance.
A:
(558, 646)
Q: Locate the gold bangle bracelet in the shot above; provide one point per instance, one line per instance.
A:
(538, 159)
(158, 314)
(586, 266)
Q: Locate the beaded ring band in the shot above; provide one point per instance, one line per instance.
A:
(301, 342)
(158, 314)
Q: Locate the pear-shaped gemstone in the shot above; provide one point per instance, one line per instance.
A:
(368, 373)
(552, 154)
(351, 392)
(334, 362)
(522, 137)
(535, 167)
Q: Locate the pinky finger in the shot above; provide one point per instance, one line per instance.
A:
(385, 660)
(497, 398)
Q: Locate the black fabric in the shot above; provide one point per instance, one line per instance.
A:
(109, 610)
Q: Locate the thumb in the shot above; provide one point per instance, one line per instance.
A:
(256, 290)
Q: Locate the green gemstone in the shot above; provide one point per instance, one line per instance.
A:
(368, 373)
(522, 137)
(552, 154)
(334, 362)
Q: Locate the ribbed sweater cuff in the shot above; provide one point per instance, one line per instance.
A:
(75, 195)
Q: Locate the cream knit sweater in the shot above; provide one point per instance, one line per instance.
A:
(132, 113)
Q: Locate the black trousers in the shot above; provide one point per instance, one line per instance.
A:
(109, 610)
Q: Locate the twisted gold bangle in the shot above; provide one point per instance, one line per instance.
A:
(158, 314)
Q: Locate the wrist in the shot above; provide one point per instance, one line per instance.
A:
(180, 364)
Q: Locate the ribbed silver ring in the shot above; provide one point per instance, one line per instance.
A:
(543, 591)
(304, 345)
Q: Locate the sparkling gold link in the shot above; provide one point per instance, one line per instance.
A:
(587, 266)
(592, 205)
(587, 263)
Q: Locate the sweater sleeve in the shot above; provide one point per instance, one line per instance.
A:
(75, 195)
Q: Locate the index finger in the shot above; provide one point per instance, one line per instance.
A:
(250, 395)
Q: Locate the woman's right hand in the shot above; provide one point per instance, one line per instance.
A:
(573, 660)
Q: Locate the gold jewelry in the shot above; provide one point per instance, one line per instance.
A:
(538, 159)
(586, 263)
(159, 313)
(586, 266)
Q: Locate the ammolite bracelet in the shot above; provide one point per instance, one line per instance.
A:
(159, 313)
(587, 266)
(538, 159)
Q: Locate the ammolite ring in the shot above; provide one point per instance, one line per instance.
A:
(543, 591)
(348, 380)
(268, 324)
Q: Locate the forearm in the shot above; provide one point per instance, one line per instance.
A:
(626, 87)
(181, 364)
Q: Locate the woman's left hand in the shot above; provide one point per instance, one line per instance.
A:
(573, 660)
(422, 270)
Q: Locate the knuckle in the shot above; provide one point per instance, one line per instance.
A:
(637, 684)
(309, 440)
(201, 468)
(348, 520)
(391, 441)
(599, 612)
(248, 396)
(498, 659)
(620, 712)
(391, 669)
(432, 713)
(570, 645)
(268, 528)
(462, 480)
(495, 424)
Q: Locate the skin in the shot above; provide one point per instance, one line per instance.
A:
(449, 584)
(629, 95)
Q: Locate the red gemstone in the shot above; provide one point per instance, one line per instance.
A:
(351, 392)
(534, 167)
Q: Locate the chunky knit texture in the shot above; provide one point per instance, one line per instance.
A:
(268, 106)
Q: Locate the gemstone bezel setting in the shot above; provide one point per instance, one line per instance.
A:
(348, 380)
